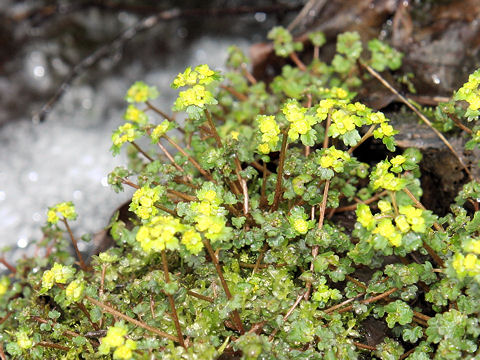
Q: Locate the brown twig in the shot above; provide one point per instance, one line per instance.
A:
(52, 345)
(368, 201)
(364, 137)
(243, 184)
(141, 324)
(289, 312)
(83, 266)
(213, 128)
(218, 268)
(420, 115)
(9, 266)
(297, 61)
(170, 157)
(370, 300)
(200, 296)
(278, 186)
(140, 150)
(172, 301)
(159, 112)
(205, 174)
(364, 346)
(238, 95)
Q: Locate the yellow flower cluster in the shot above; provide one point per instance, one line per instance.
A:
(115, 338)
(410, 218)
(135, 115)
(57, 274)
(143, 201)
(159, 234)
(125, 133)
(23, 340)
(202, 74)
(64, 209)
(300, 122)
(301, 226)
(209, 215)
(141, 92)
(333, 158)
(333, 93)
(466, 265)
(342, 122)
(197, 95)
(192, 241)
(470, 91)
(270, 130)
(75, 290)
(160, 130)
(382, 178)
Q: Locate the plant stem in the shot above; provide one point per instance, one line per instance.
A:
(437, 226)
(243, 184)
(213, 128)
(169, 157)
(364, 346)
(211, 253)
(260, 257)
(141, 324)
(200, 296)
(293, 55)
(159, 112)
(182, 195)
(52, 345)
(287, 315)
(238, 95)
(394, 202)
(83, 266)
(172, 301)
(87, 314)
(370, 300)
(205, 174)
(420, 115)
(9, 266)
(248, 75)
(368, 201)
(364, 137)
(139, 149)
(278, 186)
(316, 52)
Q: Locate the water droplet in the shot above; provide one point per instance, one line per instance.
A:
(39, 71)
(436, 79)
(36, 217)
(260, 16)
(87, 103)
(77, 195)
(22, 243)
(33, 176)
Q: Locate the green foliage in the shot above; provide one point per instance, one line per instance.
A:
(233, 247)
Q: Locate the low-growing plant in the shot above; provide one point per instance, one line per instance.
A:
(236, 246)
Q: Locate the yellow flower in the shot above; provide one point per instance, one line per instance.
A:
(263, 148)
(402, 223)
(75, 290)
(398, 160)
(160, 130)
(384, 206)
(385, 228)
(234, 135)
(364, 216)
(192, 241)
(210, 196)
(65, 209)
(300, 226)
(470, 262)
(4, 284)
(136, 115)
(23, 340)
(125, 351)
(115, 336)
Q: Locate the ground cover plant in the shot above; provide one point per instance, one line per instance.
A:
(255, 231)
